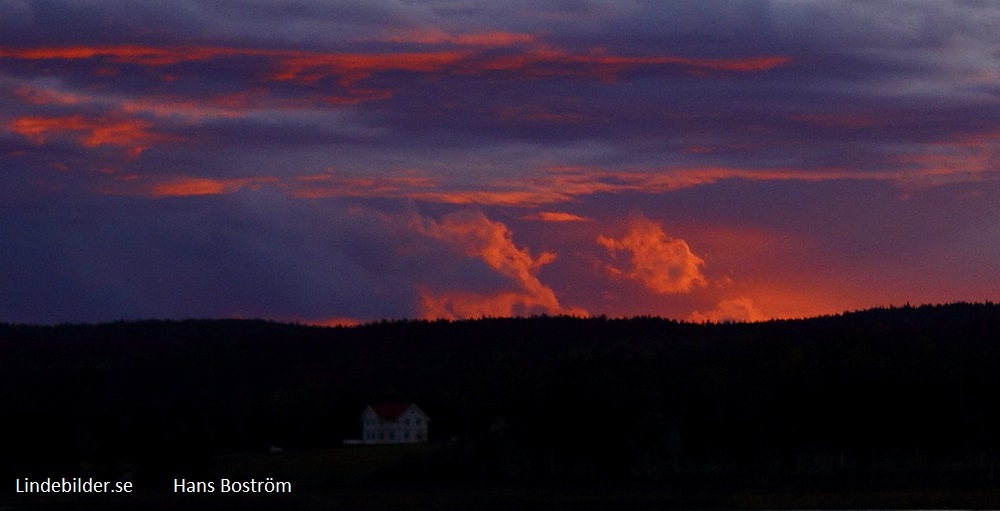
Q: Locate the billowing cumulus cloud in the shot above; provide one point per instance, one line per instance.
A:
(660, 263)
(132, 134)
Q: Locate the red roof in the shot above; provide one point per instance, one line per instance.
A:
(390, 411)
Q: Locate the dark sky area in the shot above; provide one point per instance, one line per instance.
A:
(332, 162)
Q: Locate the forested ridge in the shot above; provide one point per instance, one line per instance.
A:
(884, 396)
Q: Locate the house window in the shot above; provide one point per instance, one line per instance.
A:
(418, 422)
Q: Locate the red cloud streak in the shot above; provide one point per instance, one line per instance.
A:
(157, 187)
(133, 134)
(555, 216)
(346, 68)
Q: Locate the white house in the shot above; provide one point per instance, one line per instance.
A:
(393, 423)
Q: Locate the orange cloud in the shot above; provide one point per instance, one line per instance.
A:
(477, 236)
(224, 106)
(435, 36)
(744, 65)
(132, 134)
(130, 54)
(466, 55)
(351, 67)
(736, 309)
(229, 105)
(347, 68)
(491, 197)
(969, 158)
(557, 185)
(181, 186)
(42, 96)
(188, 186)
(290, 65)
(536, 114)
(663, 264)
(555, 216)
(540, 61)
(565, 184)
(320, 186)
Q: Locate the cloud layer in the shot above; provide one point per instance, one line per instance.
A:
(335, 161)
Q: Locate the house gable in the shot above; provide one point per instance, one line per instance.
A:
(388, 423)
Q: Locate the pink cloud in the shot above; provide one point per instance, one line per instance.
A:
(436, 36)
(181, 186)
(132, 134)
(566, 184)
(468, 58)
(555, 216)
(475, 235)
(335, 184)
(663, 264)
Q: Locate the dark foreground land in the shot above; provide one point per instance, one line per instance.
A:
(881, 408)
(504, 498)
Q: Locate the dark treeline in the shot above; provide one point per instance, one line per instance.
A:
(880, 397)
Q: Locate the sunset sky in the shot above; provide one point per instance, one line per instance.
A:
(334, 162)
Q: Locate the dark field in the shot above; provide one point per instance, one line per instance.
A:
(879, 408)
(496, 498)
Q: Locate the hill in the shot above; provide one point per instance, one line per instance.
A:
(869, 399)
